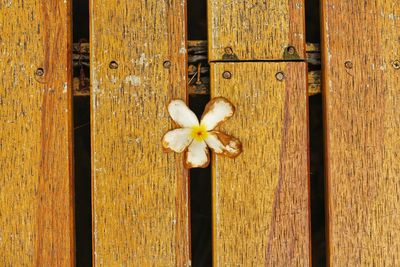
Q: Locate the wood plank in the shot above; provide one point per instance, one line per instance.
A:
(255, 30)
(361, 79)
(36, 187)
(260, 199)
(140, 193)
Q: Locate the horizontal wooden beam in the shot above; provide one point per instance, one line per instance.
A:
(197, 59)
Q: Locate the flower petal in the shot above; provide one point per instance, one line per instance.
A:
(217, 111)
(177, 140)
(224, 144)
(197, 155)
(181, 114)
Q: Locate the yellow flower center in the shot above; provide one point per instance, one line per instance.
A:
(199, 133)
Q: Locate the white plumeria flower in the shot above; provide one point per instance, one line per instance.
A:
(194, 137)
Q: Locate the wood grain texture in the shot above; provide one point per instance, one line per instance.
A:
(260, 199)
(363, 131)
(255, 29)
(140, 193)
(36, 207)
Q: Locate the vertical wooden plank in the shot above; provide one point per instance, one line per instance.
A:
(255, 29)
(36, 207)
(140, 194)
(261, 197)
(362, 99)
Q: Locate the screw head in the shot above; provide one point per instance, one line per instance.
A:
(113, 65)
(348, 64)
(291, 50)
(39, 72)
(226, 75)
(167, 64)
(280, 76)
(396, 64)
(228, 50)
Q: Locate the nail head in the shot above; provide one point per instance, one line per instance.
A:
(396, 64)
(39, 72)
(113, 65)
(280, 76)
(228, 50)
(348, 64)
(167, 64)
(226, 75)
(291, 50)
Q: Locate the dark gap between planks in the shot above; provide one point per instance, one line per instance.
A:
(200, 179)
(317, 179)
(82, 154)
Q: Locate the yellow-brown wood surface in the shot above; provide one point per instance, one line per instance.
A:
(261, 197)
(255, 29)
(362, 99)
(140, 193)
(36, 215)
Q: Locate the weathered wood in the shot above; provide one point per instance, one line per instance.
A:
(197, 53)
(203, 88)
(36, 207)
(260, 199)
(140, 193)
(255, 30)
(362, 99)
(314, 82)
